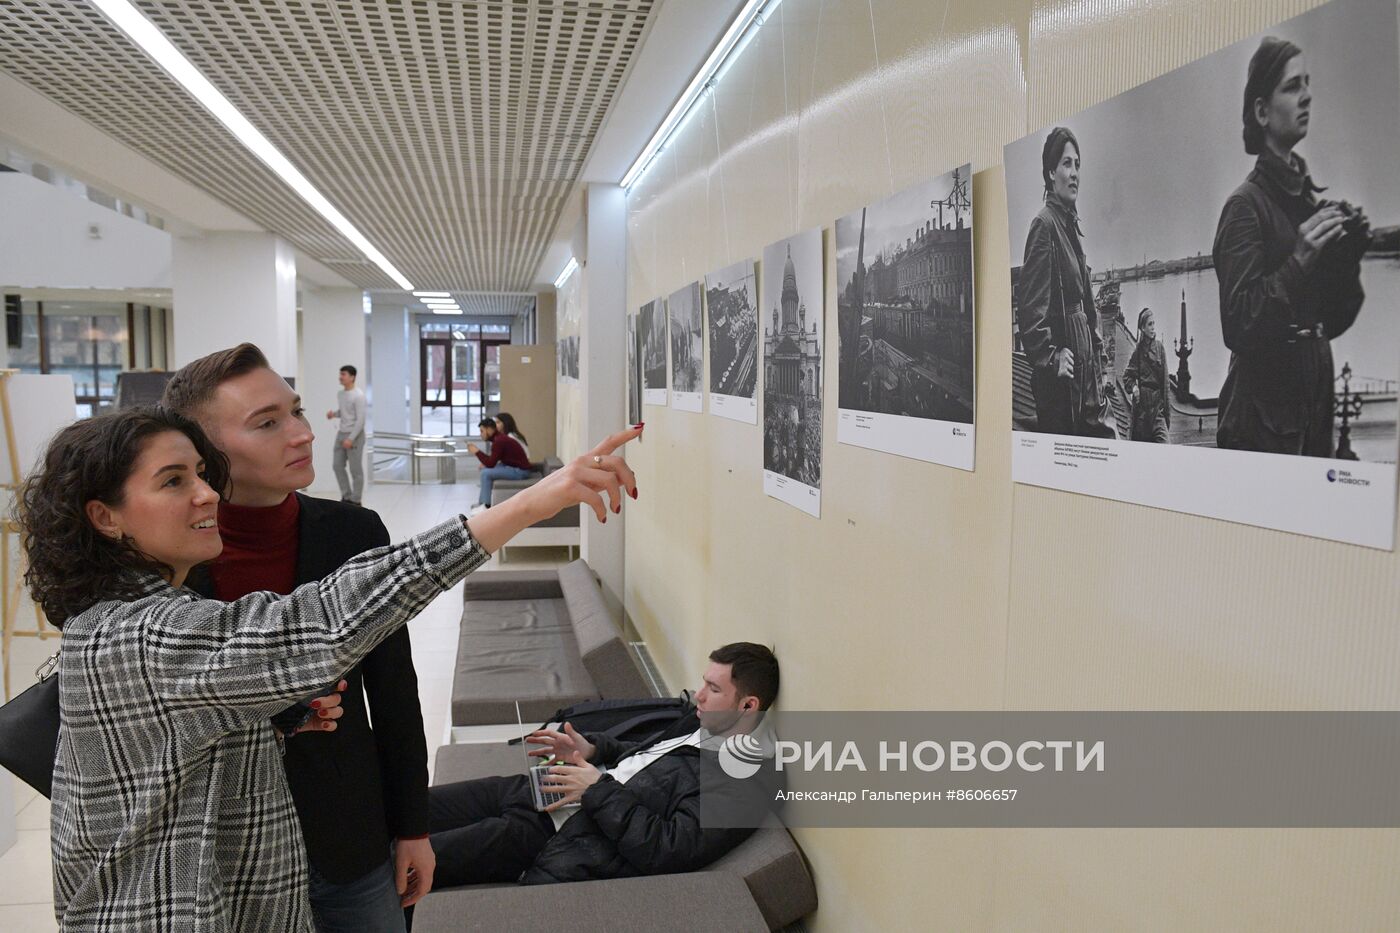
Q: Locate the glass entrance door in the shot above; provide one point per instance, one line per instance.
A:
(461, 375)
(435, 383)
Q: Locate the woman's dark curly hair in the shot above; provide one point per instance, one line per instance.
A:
(71, 565)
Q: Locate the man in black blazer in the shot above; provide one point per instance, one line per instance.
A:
(361, 793)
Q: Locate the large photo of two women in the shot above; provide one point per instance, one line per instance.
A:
(1212, 259)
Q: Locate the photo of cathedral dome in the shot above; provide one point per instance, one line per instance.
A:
(792, 359)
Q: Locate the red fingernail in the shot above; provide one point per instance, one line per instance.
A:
(634, 494)
(617, 508)
(324, 714)
(315, 704)
(605, 519)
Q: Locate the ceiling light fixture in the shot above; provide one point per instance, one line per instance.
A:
(744, 26)
(569, 268)
(144, 33)
(432, 294)
(447, 310)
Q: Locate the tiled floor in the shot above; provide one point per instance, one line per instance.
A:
(26, 889)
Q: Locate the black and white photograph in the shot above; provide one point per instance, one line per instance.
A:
(634, 371)
(687, 348)
(791, 318)
(1206, 285)
(904, 313)
(569, 355)
(651, 334)
(731, 310)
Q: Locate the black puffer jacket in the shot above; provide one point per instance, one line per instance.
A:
(652, 825)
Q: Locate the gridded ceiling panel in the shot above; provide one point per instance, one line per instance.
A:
(495, 305)
(451, 132)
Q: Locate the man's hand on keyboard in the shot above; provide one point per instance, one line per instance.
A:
(571, 779)
(559, 745)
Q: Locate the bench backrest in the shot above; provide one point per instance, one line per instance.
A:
(605, 654)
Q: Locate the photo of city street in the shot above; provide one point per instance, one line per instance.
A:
(634, 372)
(651, 334)
(905, 322)
(687, 348)
(731, 305)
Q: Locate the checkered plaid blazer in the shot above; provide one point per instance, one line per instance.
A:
(170, 807)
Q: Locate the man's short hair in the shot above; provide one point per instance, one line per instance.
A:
(753, 668)
(486, 423)
(193, 386)
(347, 368)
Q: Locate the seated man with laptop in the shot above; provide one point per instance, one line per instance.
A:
(619, 810)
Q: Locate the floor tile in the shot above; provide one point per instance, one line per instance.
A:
(27, 918)
(34, 815)
(24, 871)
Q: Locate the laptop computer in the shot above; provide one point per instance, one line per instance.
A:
(543, 798)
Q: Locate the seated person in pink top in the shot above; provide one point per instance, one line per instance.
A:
(507, 459)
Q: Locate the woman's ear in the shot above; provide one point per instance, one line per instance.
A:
(1261, 112)
(103, 519)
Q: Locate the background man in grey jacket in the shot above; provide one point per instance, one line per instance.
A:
(350, 439)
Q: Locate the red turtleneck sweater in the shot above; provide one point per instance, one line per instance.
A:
(260, 549)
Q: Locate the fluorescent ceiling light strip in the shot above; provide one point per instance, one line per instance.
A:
(729, 43)
(432, 294)
(144, 33)
(447, 310)
(569, 268)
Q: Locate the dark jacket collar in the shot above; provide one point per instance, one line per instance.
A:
(1066, 216)
(1292, 179)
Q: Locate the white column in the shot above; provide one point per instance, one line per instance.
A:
(389, 369)
(332, 335)
(603, 365)
(232, 287)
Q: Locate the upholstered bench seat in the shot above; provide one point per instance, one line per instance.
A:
(763, 884)
(545, 639)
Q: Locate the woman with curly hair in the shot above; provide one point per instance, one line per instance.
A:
(170, 804)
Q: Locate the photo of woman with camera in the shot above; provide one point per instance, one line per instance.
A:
(1289, 268)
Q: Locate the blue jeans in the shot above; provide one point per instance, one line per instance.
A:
(489, 475)
(369, 905)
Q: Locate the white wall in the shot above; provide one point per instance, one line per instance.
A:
(332, 335)
(45, 243)
(389, 369)
(232, 287)
(602, 356)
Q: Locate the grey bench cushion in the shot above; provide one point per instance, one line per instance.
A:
(511, 584)
(605, 654)
(516, 650)
(659, 904)
(768, 862)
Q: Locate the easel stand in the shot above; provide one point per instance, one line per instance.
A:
(11, 577)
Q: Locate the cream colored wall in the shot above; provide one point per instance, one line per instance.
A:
(928, 588)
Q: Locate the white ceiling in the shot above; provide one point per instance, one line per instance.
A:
(451, 132)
